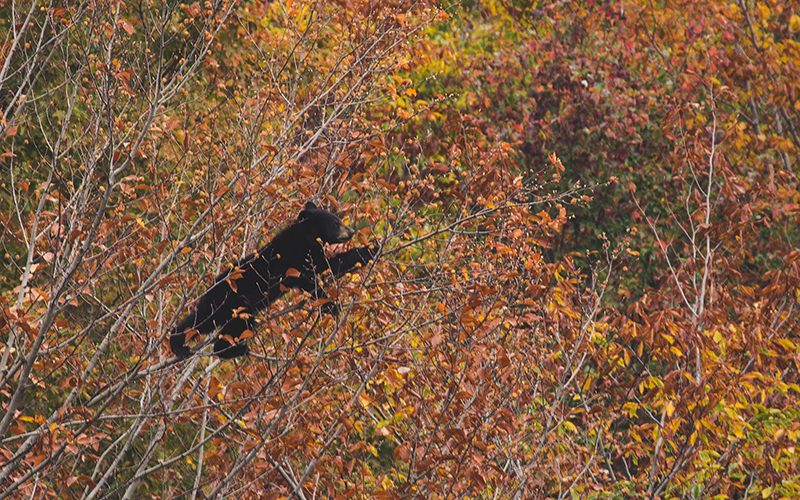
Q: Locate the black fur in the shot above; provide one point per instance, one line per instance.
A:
(264, 278)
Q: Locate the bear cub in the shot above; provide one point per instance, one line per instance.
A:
(295, 258)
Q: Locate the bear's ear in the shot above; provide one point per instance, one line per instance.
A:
(305, 214)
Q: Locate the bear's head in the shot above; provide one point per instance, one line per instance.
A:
(324, 225)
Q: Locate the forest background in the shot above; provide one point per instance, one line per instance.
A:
(588, 214)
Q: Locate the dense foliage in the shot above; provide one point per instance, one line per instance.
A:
(588, 213)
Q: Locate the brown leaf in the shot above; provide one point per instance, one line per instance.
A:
(128, 27)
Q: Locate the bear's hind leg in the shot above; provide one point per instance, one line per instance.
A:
(177, 342)
(226, 350)
(234, 328)
(214, 307)
(177, 339)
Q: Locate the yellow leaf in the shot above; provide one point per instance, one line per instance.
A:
(794, 25)
(670, 409)
(569, 426)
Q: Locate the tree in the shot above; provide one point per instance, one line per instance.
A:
(587, 216)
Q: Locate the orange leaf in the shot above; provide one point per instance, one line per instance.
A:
(231, 278)
(319, 302)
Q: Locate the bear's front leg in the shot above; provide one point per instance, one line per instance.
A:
(345, 261)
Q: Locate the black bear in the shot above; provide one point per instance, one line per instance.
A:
(293, 259)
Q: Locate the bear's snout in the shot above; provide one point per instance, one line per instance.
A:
(345, 233)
